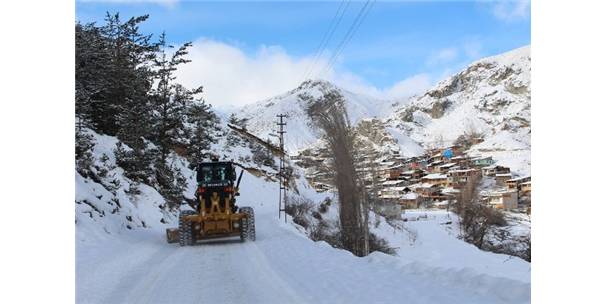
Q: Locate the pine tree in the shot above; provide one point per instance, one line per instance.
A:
(84, 155)
(234, 139)
(112, 74)
(137, 163)
(170, 100)
(170, 183)
(91, 59)
(134, 117)
(203, 122)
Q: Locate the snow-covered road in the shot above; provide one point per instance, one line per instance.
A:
(282, 266)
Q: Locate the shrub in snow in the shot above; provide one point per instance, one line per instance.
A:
(376, 243)
(299, 208)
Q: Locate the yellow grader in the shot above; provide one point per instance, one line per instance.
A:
(216, 214)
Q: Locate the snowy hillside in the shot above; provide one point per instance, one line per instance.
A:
(107, 202)
(302, 132)
(490, 97)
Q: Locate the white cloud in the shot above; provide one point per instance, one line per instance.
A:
(511, 10)
(410, 86)
(232, 78)
(443, 56)
(400, 90)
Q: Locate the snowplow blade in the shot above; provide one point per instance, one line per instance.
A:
(172, 235)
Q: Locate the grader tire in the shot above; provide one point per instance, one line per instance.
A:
(247, 231)
(186, 237)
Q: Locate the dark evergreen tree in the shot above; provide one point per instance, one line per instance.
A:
(92, 58)
(170, 100)
(113, 74)
(170, 183)
(137, 163)
(84, 156)
(203, 123)
(261, 154)
(233, 139)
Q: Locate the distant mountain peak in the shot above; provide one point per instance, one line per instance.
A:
(316, 83)
(302, 131)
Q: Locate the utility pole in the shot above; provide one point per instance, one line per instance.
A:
(283, 179)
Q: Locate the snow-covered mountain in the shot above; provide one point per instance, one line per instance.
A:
(490, 97)
(301, 131)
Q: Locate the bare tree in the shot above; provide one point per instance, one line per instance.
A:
(328, 112)
(476, 220)
(470, 136)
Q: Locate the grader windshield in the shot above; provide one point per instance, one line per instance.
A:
(215, 174)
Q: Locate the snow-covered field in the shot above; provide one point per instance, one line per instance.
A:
(429, 237)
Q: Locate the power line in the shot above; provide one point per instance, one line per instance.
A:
(349, 35)
(326, 38)
(319, 49)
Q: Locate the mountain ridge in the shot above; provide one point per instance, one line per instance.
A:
(491, 97)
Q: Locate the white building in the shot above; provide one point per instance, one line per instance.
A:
(502, 199)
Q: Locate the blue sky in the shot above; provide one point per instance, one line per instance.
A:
(411, 44)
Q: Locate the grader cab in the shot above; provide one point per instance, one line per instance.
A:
(216, 214)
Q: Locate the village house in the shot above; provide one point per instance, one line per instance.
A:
(446, 167)
(395, 171)
(383, 169)
(413, 175)
(482, 161)
(461, 161)
(424, 188)
(436, 158)
(525, 187)
(409, 200)
(502, 178)
(451, 192)
(458, 178)
(434, 167)
(456, 149)
(525, 195)
(494, 169)
(503, 199)
(422, 164)
(515, 183)
(432, 152)
(394, 183)
(428, 192)
(415, 163)
(394, 193)
(435, 179)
